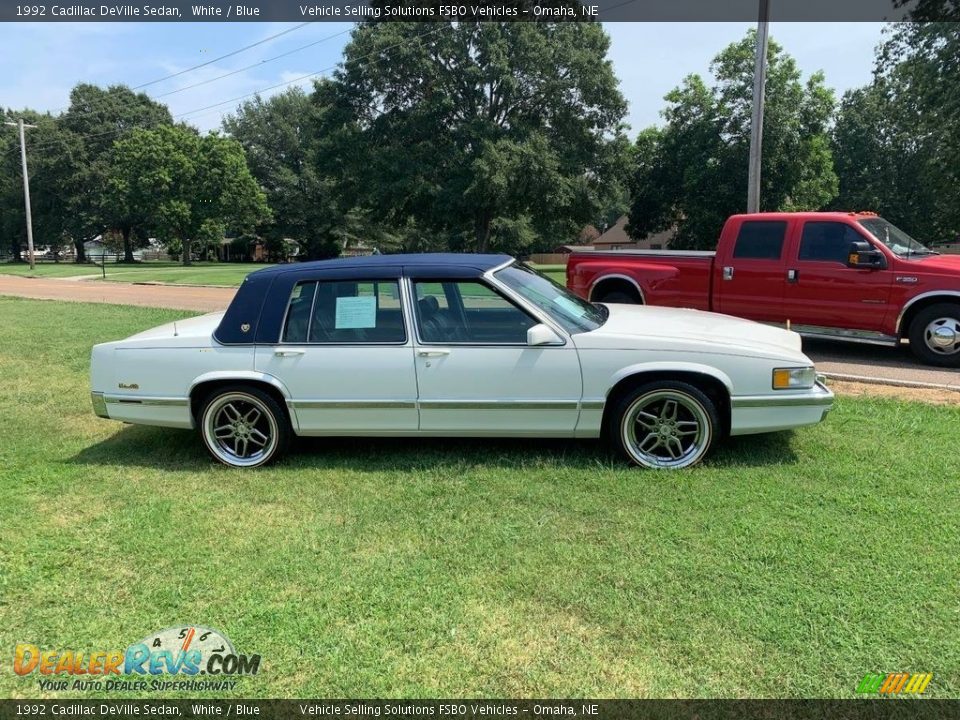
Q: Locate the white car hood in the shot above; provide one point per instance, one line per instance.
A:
(630, 325)
(195, 327)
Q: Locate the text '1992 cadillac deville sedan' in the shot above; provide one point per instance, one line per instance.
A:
(453, 345)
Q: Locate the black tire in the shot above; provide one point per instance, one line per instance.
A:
(667, 439)
(935, 335)
(619, 297)
(255, 432)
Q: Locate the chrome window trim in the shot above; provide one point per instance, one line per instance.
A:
(313, 305)
(499, 288)
(617, 276)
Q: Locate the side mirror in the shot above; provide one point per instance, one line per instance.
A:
(542, 335)
(864, 255)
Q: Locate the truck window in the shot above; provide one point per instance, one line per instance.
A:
(827, 241)
(760, 239)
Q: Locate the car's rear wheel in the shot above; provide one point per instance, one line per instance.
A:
(244, 427)
(935, 335)
(665, 425)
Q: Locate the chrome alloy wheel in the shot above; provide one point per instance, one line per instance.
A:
(240, 430)
(666, 429)
(942, 336)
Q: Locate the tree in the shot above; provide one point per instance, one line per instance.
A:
(299, 147)
(187, 186)
(96, 119)
(484, 134)
(692, 173)
(897, 140)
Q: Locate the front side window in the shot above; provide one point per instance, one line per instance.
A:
(827, 241)
(345, 312)
(467, 311)
(760, 240)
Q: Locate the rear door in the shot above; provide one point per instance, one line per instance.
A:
(346, 356)
(822, 291)
(750, 281)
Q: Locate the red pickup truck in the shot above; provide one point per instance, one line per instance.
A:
(840, 276)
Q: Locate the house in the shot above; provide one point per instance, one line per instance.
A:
(616, 238)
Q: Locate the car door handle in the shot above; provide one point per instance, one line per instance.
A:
(288, 353)
(432, 353)
(792, 275)
(728, 273)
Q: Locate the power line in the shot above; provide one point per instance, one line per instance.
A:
(254, 65)
(222, 57)
(255, 92)
(204, 64)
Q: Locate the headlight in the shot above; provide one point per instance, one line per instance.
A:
(794, 378)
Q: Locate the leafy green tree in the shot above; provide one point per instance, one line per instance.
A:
(692, 173)
(300, 151)
(190, 188)
(897, 140)
(484, 135)
(97, 118)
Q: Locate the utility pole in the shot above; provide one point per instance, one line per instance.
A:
(26, 189)
(759, 87)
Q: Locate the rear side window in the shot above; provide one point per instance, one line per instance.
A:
(827, 241)
(760, 239)
(345, 312)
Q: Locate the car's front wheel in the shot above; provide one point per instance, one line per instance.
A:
(665, 424)
(244, 426)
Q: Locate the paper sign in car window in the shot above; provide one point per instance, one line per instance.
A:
(356, 313)
(569, 305)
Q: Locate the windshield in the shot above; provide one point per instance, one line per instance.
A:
(894, 238)
(574, 314)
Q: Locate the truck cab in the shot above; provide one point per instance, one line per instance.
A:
(842, 276)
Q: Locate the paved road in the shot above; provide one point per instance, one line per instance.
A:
(832, 358)
(896, 364)
(206, 299)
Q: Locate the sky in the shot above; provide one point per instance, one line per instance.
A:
(45, 60)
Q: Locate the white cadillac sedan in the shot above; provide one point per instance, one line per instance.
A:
(453, 345)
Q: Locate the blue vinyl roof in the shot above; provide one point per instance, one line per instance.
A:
(412, 260)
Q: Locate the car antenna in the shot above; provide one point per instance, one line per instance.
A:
(175, 333)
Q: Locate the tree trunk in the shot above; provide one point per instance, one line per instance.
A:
(81, 256)
(187, 259)
(482, 227)
(127, 244)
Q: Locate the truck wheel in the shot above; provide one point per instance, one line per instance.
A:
(666, 424)
(244, 427)
(619, 296)
(935, 335)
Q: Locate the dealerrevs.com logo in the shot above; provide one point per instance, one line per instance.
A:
(182, 653)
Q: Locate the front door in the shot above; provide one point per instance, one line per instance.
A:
(822, 291)
(346, 358)
(475, 372)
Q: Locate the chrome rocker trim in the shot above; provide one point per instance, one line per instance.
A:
(132, 400)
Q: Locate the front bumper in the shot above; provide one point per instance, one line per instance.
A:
(781, 411)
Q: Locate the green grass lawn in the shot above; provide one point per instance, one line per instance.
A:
(200, 273)
(787, 565)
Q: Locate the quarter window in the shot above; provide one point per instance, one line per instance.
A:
(827, 241)
(468, 312)
(760, 240)
(345, 311)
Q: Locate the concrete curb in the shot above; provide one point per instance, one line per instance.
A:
(866, 379)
